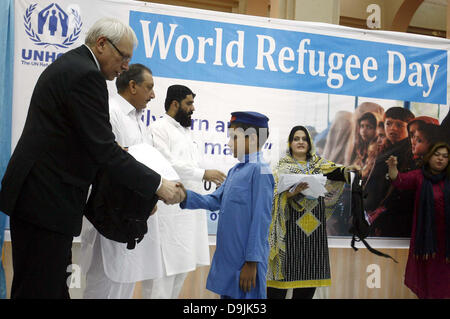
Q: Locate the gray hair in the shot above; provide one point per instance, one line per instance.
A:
(112, 29)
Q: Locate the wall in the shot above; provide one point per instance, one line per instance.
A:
(222, 5)
(358, 9)
(432, 14)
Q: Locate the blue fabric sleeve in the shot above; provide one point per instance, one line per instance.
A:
(262, 196)
(196, 201)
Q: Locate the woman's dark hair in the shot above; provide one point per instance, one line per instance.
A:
(433, 149)
(308, 139)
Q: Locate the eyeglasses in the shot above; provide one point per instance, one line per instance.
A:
(124, 57)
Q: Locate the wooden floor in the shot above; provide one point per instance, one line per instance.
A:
(352, 276)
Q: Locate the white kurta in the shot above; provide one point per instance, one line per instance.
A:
(145, 260)
(184, 234)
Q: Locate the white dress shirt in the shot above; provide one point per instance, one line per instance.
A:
(120, 264)
(127, 126)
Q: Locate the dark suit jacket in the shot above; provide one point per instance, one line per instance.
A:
(66, 139)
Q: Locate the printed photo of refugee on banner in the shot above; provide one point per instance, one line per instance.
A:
(362, 94)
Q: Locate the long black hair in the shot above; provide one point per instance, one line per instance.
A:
(308, 139)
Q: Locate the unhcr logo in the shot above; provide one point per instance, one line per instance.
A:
(49, 28)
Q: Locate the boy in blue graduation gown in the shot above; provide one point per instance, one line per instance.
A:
(239, 266)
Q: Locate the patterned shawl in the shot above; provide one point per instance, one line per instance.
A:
(277, 235)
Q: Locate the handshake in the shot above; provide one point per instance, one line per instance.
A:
(174, 192)
(171, 192)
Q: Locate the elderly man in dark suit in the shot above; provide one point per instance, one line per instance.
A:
(66, 139)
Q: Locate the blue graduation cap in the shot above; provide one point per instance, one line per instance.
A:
(251, 118)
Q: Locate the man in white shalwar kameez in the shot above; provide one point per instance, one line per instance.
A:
(112, 269)
(184, 235)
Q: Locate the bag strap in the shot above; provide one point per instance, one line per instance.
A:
(372, 250)
(366, 244)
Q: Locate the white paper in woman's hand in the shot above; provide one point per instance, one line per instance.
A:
(316, 184)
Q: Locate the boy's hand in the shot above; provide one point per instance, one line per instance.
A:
(182, 191)
(247, 279)
(392, 163)
(170, 192)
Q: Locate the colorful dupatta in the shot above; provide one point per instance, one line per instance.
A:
(277, 235)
